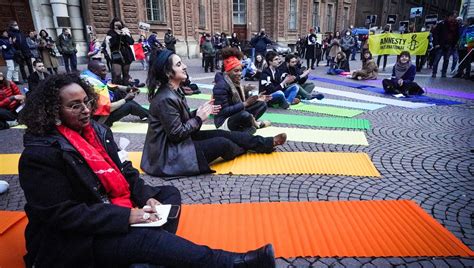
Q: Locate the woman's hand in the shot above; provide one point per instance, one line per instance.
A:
(143, 215)
(251, 100)
(152, 202)
(207, 109)
(263, 97)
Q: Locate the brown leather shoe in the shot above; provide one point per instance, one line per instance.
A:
(279, 139)
(296, 101)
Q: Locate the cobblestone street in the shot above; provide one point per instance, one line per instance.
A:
(424, 154)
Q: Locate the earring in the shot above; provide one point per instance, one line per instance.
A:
(57, 122)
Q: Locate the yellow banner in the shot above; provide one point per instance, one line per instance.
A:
(394, 44)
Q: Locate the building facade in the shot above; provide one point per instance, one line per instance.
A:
(401, 8)
(283, 20)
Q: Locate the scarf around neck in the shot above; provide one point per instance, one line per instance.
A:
(238, 94)
(401, 68)
(99, 161)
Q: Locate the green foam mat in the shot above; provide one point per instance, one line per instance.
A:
(336, 111)
(194, 96)
(335, 122)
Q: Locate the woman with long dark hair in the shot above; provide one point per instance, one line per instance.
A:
(49, 53)
(175, 145)
(369, 68)
(118, 42)
(81, 198)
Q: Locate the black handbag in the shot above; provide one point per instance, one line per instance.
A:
(117, 56)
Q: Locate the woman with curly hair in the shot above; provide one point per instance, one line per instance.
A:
(82, 199)
(240, 108)
(175, 145)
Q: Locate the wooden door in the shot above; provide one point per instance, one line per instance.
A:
(241, 31)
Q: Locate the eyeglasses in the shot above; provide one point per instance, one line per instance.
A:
(80, 107)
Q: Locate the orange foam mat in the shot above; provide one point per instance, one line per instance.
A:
(324, 229)
(329, 163)
(12, 241)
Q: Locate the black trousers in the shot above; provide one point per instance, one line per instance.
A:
(420, 62)
(22, 64)
(312, 62)
(6, 115)
(130, 107)
(208, 63)
(243, 120)
(384, 60)
(158, 246)
(392, 87)
(229, 144)
(465, 67)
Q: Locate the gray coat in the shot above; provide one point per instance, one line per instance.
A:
(169, 149)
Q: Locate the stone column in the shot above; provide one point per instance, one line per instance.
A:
(43, 16)
(59, 8)
(77, 27)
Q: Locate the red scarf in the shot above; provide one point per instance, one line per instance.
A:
(89, 146)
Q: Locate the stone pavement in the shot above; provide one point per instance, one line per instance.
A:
(423, 155)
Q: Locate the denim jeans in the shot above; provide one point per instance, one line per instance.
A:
(290, 93)
(278, 97)
(13, 71)
(70, 59)
(335, 71)
(445, 53)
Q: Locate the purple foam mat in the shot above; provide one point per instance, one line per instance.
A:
(451, 93)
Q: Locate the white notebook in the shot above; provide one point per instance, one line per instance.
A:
(162, 211)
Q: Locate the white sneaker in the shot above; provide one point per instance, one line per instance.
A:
(12, 123)
(3, 186)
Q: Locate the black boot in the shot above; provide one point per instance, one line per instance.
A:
(263, 257)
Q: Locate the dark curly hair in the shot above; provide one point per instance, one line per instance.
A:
(159, 72)
(229, 52)
(42, 105)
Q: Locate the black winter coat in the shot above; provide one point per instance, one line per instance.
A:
(66, 205)
(270, 83)
(169, 149)
(230, 101)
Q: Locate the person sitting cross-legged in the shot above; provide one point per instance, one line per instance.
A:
(369, 68)
(239, 110)
(283, 91)
(81, 199)
(115, 101)
(175, 145)
(341, 65)
(403, 76)
(10, 100)
(305, 88)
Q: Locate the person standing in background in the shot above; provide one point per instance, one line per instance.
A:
(22, 51)
(67, 48)
(33, 43)
(48, 52)
(170, 40)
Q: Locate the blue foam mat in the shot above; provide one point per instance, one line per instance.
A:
(422, 98)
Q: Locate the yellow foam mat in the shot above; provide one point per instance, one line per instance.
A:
(348, 164)
(328, 163)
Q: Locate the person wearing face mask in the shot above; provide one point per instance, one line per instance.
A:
(22, 51)
(118, 42)
(240, 109)
(10, 100)
(67, 48)
(8, 54)
(347, 43)
(37, 76)
(175, 145)
(403, 76)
